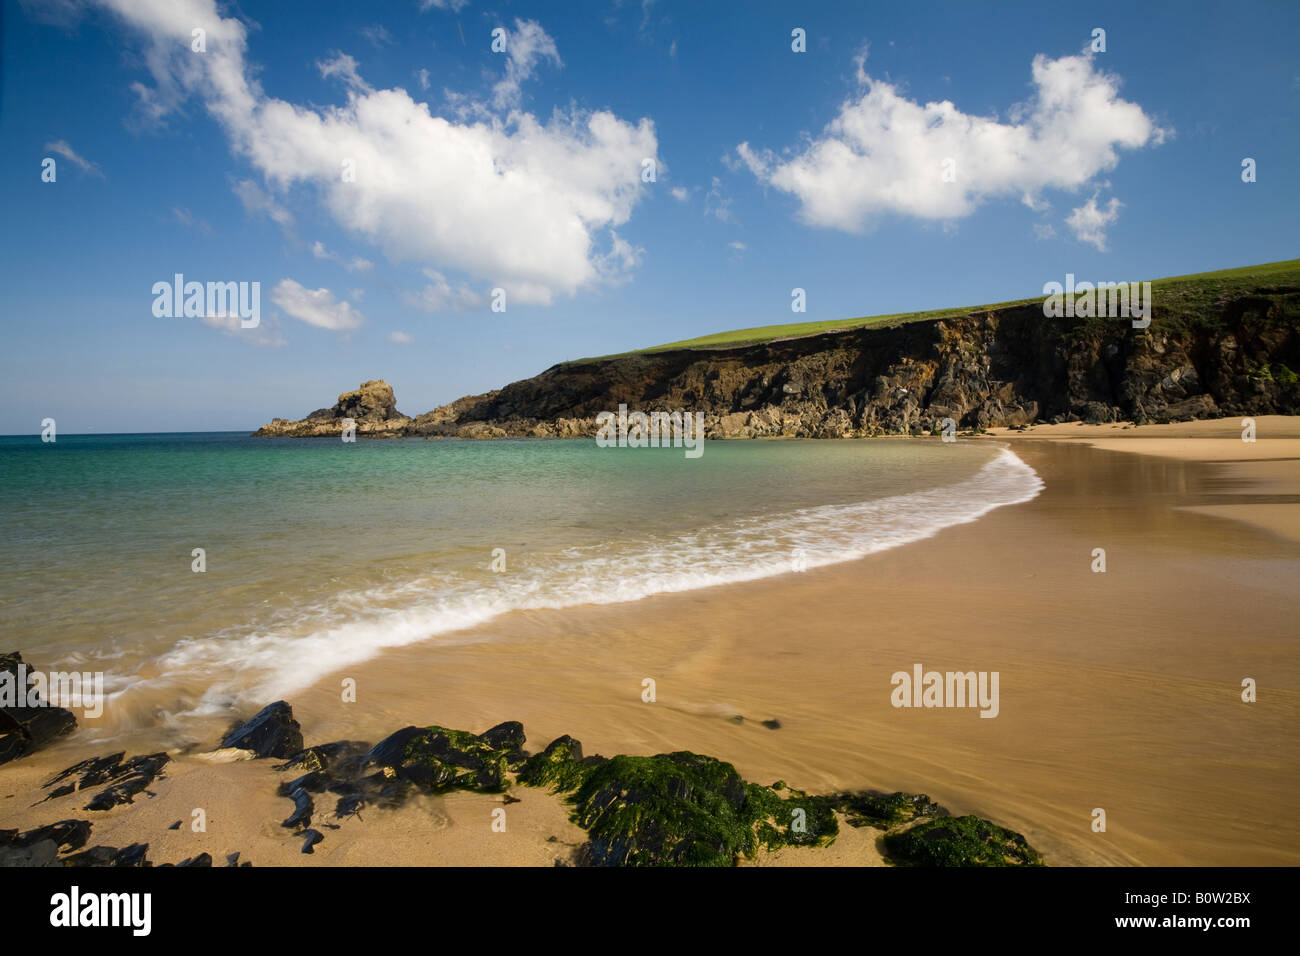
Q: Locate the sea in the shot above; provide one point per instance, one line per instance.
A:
(205, 572)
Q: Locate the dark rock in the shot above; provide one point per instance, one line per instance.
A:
(272, 732)
(203, 859)
(39, 847)
(343, 757)
(133, 855)
(92, 771)
(303, 809)
(126, 780)
(27, 729)
(390, 751)
(505, 736)
(312, 837)
(772, 724)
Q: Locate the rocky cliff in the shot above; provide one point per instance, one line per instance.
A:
(1208, 351)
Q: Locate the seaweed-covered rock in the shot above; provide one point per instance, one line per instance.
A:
(272, 732)
(561, 766)
(684, 809)
(508, 736)
(960, 841)
(438, 759)
(886, 810)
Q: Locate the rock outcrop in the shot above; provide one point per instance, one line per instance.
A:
(26, 722)
(1208, 352)
(372, 409)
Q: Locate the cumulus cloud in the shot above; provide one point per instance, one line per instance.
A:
(61, 147)
(1088, 222)
(679, 193)
(885, 154)
(519, 202)
(440, 296)
(316, 307)
(526, 46)
(401, 338)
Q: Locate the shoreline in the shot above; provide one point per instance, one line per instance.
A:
(1137, 714)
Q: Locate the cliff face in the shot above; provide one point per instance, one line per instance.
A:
(1012, 366)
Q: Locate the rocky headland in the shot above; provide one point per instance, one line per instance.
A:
(1211, 350)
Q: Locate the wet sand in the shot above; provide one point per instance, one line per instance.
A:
(1118, 690)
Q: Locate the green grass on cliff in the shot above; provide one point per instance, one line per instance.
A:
(1183, 293)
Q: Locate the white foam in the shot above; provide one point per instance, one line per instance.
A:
(300, 646)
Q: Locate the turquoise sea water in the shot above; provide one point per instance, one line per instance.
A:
(321, 553)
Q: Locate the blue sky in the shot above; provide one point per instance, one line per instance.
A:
(522, 170)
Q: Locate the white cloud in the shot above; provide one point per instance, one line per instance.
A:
(61, 147)
(455, 6)
(345, 67)
(401, 338)
(186, 218)
(1088, 223)
(737, 248)
(377, 34)
(355, 264)
(526, 46)
(316, 307)
(257, 202)
(423, 76)
(266, 332)
(715, 204)
(515, 201)
(884, 154)
(1044, 230)
(680, 193)
(439, 296)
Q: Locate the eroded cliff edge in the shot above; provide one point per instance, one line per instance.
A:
(1201, 357)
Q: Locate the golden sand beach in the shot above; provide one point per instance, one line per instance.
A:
(1119, 691)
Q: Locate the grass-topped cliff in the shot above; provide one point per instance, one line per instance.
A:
(1218, 343)
(1193, 291)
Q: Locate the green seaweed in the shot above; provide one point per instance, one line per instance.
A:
(886, 810)
(960, 841)
(685, 809)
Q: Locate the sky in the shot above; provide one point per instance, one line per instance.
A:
(453, 194)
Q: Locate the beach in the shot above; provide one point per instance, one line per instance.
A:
(1119, 690)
